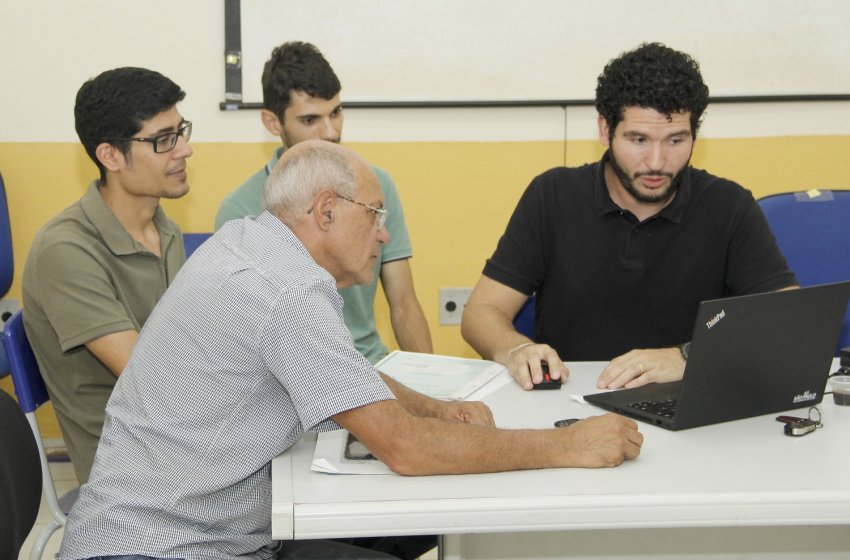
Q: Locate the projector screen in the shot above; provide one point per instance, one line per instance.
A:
(473, 50)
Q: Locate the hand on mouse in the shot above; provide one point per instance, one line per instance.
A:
(525, 364)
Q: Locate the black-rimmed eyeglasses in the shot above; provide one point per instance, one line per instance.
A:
(380, 213)
(161, 143)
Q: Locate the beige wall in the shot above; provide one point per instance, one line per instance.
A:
(457, 195)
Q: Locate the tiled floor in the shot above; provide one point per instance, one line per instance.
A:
(64, 479)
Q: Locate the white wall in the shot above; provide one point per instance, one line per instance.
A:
(49, 47)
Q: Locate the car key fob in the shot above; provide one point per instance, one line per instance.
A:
(548, 382)
(797, 427)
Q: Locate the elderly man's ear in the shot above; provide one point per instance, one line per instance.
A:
(325, 203)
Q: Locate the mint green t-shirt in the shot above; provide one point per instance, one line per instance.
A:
(359, 308)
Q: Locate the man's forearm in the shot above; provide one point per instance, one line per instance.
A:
(414, 402)
(490, 333)
(114, 349)
(439, 447)
(411, 328)
(408, 321)
(415, 445)
(602, 441)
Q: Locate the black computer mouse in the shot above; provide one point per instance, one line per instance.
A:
(548, 382)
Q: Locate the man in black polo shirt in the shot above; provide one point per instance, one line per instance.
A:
(620, 252)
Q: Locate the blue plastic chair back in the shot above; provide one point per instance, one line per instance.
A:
(812, 229)
(29, 385)
(7, 262)
(524, 320)
(192, 241)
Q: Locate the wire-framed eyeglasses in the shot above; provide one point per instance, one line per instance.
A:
(161, 143)
(380, 213)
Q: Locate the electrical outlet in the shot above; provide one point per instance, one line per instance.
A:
(452, 302)
(8, 307)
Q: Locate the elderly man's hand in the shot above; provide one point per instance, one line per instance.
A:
(600, 441)
(471, 412)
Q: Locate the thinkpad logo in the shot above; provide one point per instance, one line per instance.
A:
(716, 319)
(803, 397)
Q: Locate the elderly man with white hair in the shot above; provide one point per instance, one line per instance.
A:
(248, 350)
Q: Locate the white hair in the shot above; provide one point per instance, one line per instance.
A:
(305, 171)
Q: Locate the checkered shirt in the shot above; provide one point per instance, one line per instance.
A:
(246, 350)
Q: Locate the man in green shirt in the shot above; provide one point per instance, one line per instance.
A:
(301, 100)
(95, 272)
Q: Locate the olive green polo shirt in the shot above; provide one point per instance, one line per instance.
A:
(86, 277)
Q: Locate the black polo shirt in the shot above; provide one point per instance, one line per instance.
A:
(607, 283)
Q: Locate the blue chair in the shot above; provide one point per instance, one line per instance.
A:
(524, 320)
(32, 393)
(194, 240)
(812, 229)
(7, 261)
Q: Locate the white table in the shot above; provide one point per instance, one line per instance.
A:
(730, 489)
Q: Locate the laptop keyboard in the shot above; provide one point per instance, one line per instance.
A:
(666, 408)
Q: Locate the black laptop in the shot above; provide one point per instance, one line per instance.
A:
(750, 355)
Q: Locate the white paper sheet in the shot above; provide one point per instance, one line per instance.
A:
(439, 376)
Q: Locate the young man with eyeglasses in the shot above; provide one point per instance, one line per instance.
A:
(301, 101)
(95, 271)
(246, 352)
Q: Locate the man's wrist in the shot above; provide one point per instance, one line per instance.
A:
(518, 347)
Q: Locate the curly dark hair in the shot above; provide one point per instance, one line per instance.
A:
(116, 104)
(296, 66)
(653, 76)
